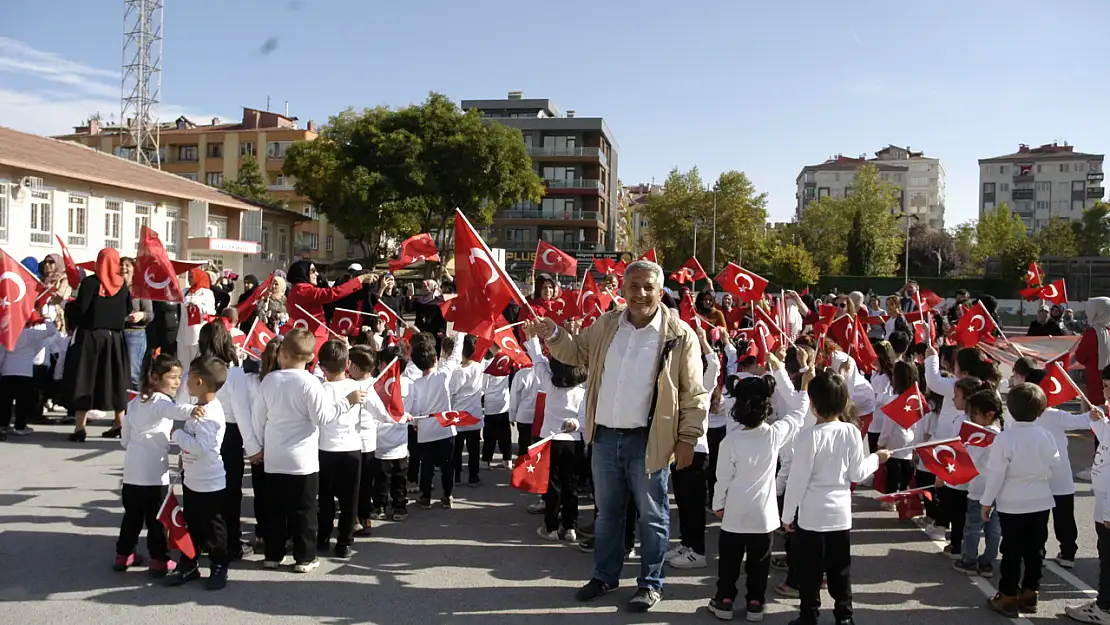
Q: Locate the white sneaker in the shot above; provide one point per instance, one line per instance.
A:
(542, 532)
(1085, 475)
(24, 432)
(306, 567)
(570, 536)
(675, 552)
(1089, 613)
(537, 507)
(934, 532)
(689, 560)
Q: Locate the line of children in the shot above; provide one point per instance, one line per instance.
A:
(389, 461)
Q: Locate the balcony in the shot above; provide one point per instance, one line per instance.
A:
(576, 183)
(580, 246)
(550, 152)
(281, 186)
(551, 214)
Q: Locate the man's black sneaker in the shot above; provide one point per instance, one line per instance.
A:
(644, 600)
(182, 576)
(217, 578)
(721, 608)
(594, 589)
(343, 551)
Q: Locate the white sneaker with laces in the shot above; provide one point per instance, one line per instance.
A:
(1089, 613)
(306, 567)
(542, 532)
(570, 536)
(934, 532)
(689, 560)
(674, 552)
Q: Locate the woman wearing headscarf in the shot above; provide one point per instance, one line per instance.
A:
(97, 367)
(706, 306)
(304, 292)
(200, 299)
(1093, 351)
(250, 283)
(389, 294)
(429, 316)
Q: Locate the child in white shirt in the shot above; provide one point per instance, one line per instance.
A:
(385, 450)
(431, 394)
(18, 389)
(498, 432)
(899, 469)
(204, 495)
(1098, 611)
(983, 409)
(523, 393)
(245, 384)
(467, 383)
(744, 498)
(828, 458)
(1019, 472)
(340, 456)
(146, 467)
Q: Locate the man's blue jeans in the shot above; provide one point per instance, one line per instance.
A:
(619, 472)
(136, 350)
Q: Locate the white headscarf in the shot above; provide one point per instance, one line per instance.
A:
(1098, 318)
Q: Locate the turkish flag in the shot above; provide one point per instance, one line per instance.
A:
(192, 315)
(1058, 387)
(415, 249)
(908, 502)
(604, 266)
(690, 272)
(484, 288)
(239, 341)
(650, 255)
(19, 290)
(73, 276)
(972, 435)
(908, 408)
(1033, 276)
(500, 366)
(592, 298)
(172, 515)
(345, 322)
(930, 299)
(506, 340)
(456, 418)
(257, 339)
(532, 471)
(1030, 294)
(251, 303)
(388, 387)
(1056, 292)
(551, 259)
(767, 331)
(388, 316)
(298, 318)
(949, 461)
(742, 283)
(563, 307)
(974, 326)
(155, 276)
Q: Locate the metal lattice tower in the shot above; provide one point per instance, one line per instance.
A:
(142, 79)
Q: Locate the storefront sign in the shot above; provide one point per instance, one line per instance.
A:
(234, 246)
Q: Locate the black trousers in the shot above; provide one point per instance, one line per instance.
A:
(436, 455)
(497, 433)
(827, 554)
(792, 563)
(898, 475)
(340, 473)
(873, 442)
(933, 509)
(367, 483)
(714, 436)
(232, 453)
(140, 508)
(1103, 534)
(472, 440)
(292, 501)
(955, 508)
(1023, 540)
(689, 495)
(1063, 523)
(389, 484)
(262, 507)
(204, 517)
(730, 555)
(523, 438)
(414, 457)
(561, 498)
(20, 397)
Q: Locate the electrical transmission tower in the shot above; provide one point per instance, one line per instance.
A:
(142, 79)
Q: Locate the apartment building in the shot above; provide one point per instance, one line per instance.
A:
(93, 200)
(637, 197)
(920, 179)
(1052, 180)
(577, 159)
(213, 152)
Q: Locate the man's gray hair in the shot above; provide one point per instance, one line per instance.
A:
(646, 266)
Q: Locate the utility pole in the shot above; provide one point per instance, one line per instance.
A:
(713, 247)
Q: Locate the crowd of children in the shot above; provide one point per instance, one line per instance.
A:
(788, 436)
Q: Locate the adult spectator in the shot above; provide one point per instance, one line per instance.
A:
(706, 306)
(963, 301)
(304, 293)
(134, 327)
(97, 368)
(1044, 326)
(161, 332)
(635, 355)
(543, 294)
(250, 283)
(1056, 317)
(360, 299)
(222, 288)
(200, 298)
(389, 294)
(429, 316)
(1093, 350)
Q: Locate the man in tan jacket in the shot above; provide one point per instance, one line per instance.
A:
(645, 406)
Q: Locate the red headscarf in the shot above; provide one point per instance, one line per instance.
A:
(107, 272)
(198, 279)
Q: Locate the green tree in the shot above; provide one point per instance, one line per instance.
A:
(741, 219)
(1016, 256)
(995, 233)
(934, 252)
(401, 171)
(791, 266)
(1057, 238)
(250, 184)
(866, 216)
(1092, 232)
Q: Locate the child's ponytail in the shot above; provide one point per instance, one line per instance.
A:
(154, 367)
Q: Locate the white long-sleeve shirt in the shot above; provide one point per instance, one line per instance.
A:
(628, 377)
(1019, 469)
(894, 436)
(467, 383)
(828, 457)
(788, 400)
(343, 433)
(884, 394)
(562, 404)
(746, 465)
(863, 396)
(146, 437)
(20, 362)
(1100, 470)
(391, 438)
(429, 395)
(200, 441)
(522, 396)
(236, 394)
(979, 457)
(709, 381)
(495, 394)
(1059, 423)
(288, 412)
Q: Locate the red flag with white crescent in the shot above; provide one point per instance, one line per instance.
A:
(73, 276)
(19, 290)
(346, 322)
(949, 461)
(155, 277)
(172, 516)
(550, 259)
(257, 339)
(973, 435)
(388, 388)
(908, 408)
(1057, 386)
(742, 283)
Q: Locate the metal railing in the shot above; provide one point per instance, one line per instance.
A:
(541, 152)
(576, 183)
(550, 214)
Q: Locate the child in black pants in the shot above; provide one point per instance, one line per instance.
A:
(340, 456)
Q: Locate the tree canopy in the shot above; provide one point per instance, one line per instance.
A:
(934, 252)
(1057, 238)
(250, 184)
(791, 266)
(1092, 232)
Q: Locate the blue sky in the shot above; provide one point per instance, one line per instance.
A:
(763, 87)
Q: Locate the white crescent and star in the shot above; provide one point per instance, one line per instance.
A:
(1056, 388)
(502, 361)
(1045, 293)
(153, 283)
(345, 328)
(936, 456)
(746, 278)
(480, 254)
(177, 513)
(19, 284)
(389, 386)
(976, 437)
(509, 343)
(916, 399)
(982, 323)
(543, 257)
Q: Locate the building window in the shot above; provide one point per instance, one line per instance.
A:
(3, 212)
(217, 227)
(988, 188)
(142, 220)
(113, 215)
(1002, 169)
(1077, 205)
(988, 206)
(1063, 168)
(1043, 186)
(520, 235)
(281, 181)
(42, 211)
(1004, 187)
(276, 149)
(308, 241)
(330, 242)
(78, 220)
(1042, 205)
(187, 153)
(1080, 167)
(192, 177)
(1038, 168)
(265, 242)
(215, 178)
(215, 150)
(283, 245)
(246, 148)
(1095, 166)
(1078, 185)
(172, 218)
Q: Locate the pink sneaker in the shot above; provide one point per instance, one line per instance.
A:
(122, 563)
(161, 568)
